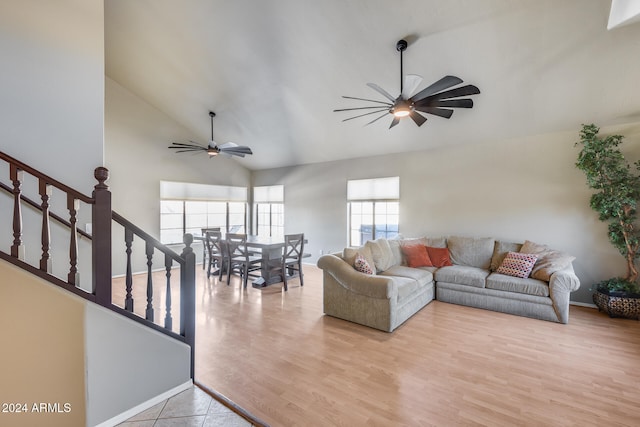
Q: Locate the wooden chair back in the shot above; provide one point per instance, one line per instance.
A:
(237, 245)
(293, 247)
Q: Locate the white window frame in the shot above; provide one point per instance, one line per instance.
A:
(202, 193)
(374, 191)
(269, 197)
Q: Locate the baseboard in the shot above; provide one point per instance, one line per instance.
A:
(583, 304)
(145, 405)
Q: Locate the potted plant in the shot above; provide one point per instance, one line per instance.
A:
(617, 192)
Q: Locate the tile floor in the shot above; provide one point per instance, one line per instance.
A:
(191, 408)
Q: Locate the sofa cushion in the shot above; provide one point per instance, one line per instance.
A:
(517, 264)
(500, 250)
(362, 265)
(471, 251)
(406, 288)
(502, 282)
(422, 276)
(416, 256)
(462, 275)
(549, 260)
(381, 252)
(395, 245)
(436, 242)
(349, 255)
(439, 256)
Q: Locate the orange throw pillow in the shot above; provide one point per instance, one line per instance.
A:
(439, 256)
(417, 256)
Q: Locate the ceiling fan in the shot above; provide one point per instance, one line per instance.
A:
(434, 99)
(213, 149)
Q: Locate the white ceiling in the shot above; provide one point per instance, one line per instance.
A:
(273, 70)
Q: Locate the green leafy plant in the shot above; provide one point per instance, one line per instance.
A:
(618, 284)
(617, 192)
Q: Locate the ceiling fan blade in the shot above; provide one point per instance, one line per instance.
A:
(366, 114)
(394, 122)
(435, 111)
(187, 151)
(442, 84)
(358, 108)
(454, 103)
(378, 118)
(370, 100)
(453, 93)
(228, 144)
(418, 118)
(239, 149)
(411, 83)
(182, 144)
(381, 91)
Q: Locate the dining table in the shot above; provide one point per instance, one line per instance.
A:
(270, 250)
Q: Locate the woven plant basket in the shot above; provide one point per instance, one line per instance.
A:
(627, 307)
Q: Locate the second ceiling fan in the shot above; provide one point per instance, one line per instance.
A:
(212, 149)
(434, 99)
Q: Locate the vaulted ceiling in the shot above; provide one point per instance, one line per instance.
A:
(273, 70)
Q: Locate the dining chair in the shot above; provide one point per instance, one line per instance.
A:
(215, 250)
(240, 259)
(292, 257)
(204, 246)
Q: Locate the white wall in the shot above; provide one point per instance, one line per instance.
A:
(52, 86)
(520, 189)
(51, 111)
(136, 139)
(128, 364)
(51, 117)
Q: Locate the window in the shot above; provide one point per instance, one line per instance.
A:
(374, 209)
(269, 210)
(178, 217)
(188, 208)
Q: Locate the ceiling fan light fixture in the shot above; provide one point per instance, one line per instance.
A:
(402, 108)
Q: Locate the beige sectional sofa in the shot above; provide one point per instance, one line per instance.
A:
(395, 292)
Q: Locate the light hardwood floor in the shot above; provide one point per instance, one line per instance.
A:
(277, 356)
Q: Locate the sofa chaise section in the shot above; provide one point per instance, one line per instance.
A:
(382, 301)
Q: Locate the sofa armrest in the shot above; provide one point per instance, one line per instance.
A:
(564, 280)
(363, 284)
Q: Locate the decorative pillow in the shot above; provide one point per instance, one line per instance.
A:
(517, 264)
(439, 256)
(349, 255)
(417, 256)
(362, 265)
(549, 260)
(500, 250)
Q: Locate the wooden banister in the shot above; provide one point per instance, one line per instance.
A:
(102, 218)
(57, 184)
(53, 215)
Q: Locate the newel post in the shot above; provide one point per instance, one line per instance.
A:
(188, 296)
(101, 238)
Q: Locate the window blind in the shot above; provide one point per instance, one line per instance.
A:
(268, 194)
(170, 190)
(373, 189)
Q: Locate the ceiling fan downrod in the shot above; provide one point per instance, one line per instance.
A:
(401, 46)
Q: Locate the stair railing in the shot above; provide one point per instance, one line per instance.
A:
(101, 249)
